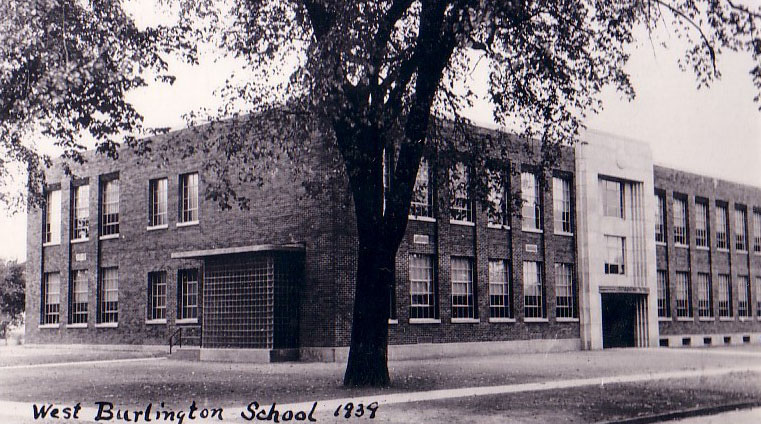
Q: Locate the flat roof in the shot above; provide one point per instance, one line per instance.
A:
(296, 247)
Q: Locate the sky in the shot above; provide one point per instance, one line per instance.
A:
(714, 131)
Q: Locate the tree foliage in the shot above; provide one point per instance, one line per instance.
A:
(12, 286)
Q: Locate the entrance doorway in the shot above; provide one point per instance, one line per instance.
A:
(619, 317)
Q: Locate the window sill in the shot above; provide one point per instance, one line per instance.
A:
(51, 243)
(465, 320)
(744, 319)
(80, 240)
(563, 233)
(757, 253)
(665, 319)
(107, 325)
(722, 249)
(706, 319)
(465, 223)
(186, 224)
(726, 318)
(48, 325)
(110, 236)
(393, 321)
(682, 246)
(741, 252)
(76, 326)
(498, 226)
(566, 320)
(706, 248)
(501, 319)
(532, 230)
(155, 321)
(157, 227)
(535, 320)
(660, 243)
(421, 218)
(685, 319)
(186, 321)
(425, 321)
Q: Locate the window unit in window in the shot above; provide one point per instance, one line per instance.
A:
(187, 292)
(53, 216)
(660, 218)
(81, 209)
(757, 231)
(533, 291)
(189, 196)
(157, 296)
(79, 297)
(561, 199)
(680, 221)
(500, 305)
(683, 297)
(741, 228)
(616, 255)
(157, 202)
(461, 206)
(743, 296)
(110, 201)
(664, 308)
(724, 296)
(421, 205)
(565, 291)
(722, 226)
(531, 196)
(705, 304)
(51, 298)
(462, 288)
(701, 224)
(498, 208)
(108, 296)
(612, 198)
(758, 297)
(422, 287)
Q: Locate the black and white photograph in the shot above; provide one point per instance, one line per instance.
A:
(392, 211)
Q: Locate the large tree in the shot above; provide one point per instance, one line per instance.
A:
(12, 285)
(367, 77)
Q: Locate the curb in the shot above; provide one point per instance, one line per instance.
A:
(688, 413)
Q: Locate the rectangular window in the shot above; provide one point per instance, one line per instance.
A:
(499, 290)
(533, 290)
(756, 231)
(660, 218)
(497, 199)
(51, 298)
(187, 291)
(461, 207)
(722, 227)
(565, 291)
(462, 288)
(743, 296)
(110, 218)
(725, 296)
(108, 296)
(741, 229)
(701, 224)
(705, 304)
(612, 198)
(53, 217)
(189, 193)
(664, 309)
(683, 298)
(561, 199)
(422, 290)
(615, 260)
(532, 202)
(758, 297)
(157, 295)
(422, 199)
(680, 222)
(157, 202)
(81, 208)
(79, 297)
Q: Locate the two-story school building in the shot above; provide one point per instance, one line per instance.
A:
(608, 250)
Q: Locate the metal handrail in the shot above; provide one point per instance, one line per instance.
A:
(178, 334)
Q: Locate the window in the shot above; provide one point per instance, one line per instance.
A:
(743, 296)
(758, 297)
(53, 217)
(565, 291)
(157, 295)
(614, 263)
(701, 224)
(499, 290)
(81, 208)
(157, 202)
(462, 288)
(108, 296)
(110, 219)
(741, 229)
(532, 202)
(497, 211)
(722, 227)
(461, 207)
(705, 305)
(725, 296)
(680, 221)
(422, 293)
(51, 298)
(683, 298)
(79, 297)
(756, 231)
(664, 309)
(561, 199)
(187, 291)
(660, 218)
(612, 198)
(422, 199)
(189, 193)
(533, 290)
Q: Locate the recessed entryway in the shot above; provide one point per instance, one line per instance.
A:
(619, 315)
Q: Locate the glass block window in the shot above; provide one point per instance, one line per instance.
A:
(705, 304)
(462, 288)
(565, 291)
(683, 298)
(189, 193)
(79, 297)
(497, 211)
(743, 296)
(701, 224)
(533, 290)
(756, 231)
(461, 206)
(422, 290)
(110, 200)
(157, 202)
(499, 289)
(108, 296)
(741, 229)
(51, 298)
(156, 295)
(664, 309)
(660, 218)
(81, 211)
(722, 227)
(531, 197)
(680, 221)
(612, 198)
(187, 291)
(422, 199)
(725, 296)
(615, 259)
(53, 216)
(561, 199)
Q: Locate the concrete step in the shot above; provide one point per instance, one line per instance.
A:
(186, 353)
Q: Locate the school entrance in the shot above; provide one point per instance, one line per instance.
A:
(624, 320)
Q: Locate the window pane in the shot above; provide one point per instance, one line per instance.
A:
(565, 291)
(461, 206)
(680, 222)
(81, 213)
(701, 224)
(189, 190)
(421, 286)
(157, 207)
(462, 288)
(531, 210)
(533, 291)
(664, 309)
(499, 290)
(80, 297)
(157, 295)
(422, 201)
(51, 298)
(660, 218)
(110, 198)
(561, 195)
(53, 216)
(108, 302)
